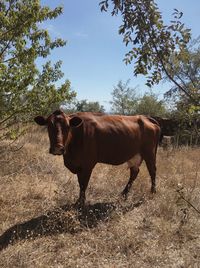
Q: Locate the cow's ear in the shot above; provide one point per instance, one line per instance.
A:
(75, 122)
(40, 120)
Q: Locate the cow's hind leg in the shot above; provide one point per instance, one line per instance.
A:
(134, 165)
(133, 175)
(151, 166)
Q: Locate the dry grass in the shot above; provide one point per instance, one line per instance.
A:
(40, 228)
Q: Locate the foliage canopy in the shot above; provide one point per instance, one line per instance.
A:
(88, 106)
(152, 43)
(24, 88)
(124, 98)
(149, 104)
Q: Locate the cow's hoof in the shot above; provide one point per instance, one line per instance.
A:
(153, 190)
(124, 196)
(79, 205)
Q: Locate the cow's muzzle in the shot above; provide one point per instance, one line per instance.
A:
(59, 150)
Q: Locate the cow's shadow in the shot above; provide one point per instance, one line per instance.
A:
(65, 219)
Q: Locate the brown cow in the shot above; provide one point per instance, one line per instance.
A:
(85, 139)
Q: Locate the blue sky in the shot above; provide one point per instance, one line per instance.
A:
(93, 56)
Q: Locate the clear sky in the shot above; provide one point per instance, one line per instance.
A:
(93, 56)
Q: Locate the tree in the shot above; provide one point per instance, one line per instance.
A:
(187, 112)
(150, 105)
(187, 125)
(89, 106)
(24, 89)
(187, 72)
(152, 42)
(124, 99)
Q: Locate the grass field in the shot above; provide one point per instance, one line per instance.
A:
(40, 228)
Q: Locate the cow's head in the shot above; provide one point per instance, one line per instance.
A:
(58, 125)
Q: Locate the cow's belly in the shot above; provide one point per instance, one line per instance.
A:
(118, 157)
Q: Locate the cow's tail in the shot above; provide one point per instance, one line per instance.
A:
(141, 123)
(154, 121)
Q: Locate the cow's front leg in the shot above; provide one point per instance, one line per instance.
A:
(83, 179)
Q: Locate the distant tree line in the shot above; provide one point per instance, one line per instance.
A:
(125, 100)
